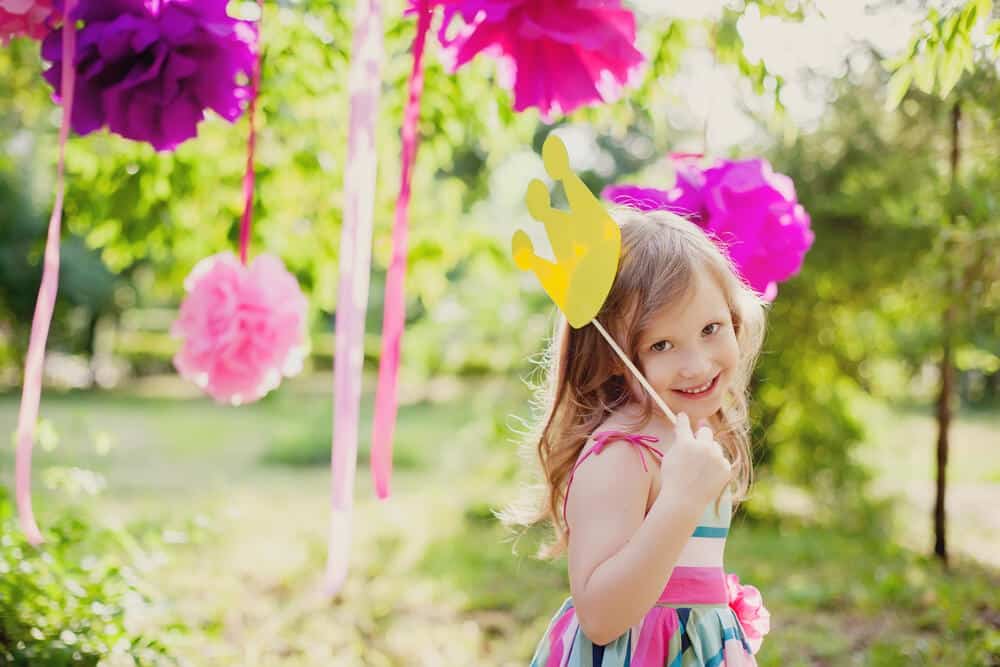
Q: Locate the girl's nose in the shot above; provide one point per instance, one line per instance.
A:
(695, 370)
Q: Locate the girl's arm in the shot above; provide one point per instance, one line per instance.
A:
(619, 562)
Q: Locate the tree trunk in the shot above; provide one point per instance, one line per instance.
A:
(944, 423)
(944, 413)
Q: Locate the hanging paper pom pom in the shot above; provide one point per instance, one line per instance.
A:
(755, 212)
(148, 70)
(555, 55)
(686, 198)
(747, 207)
(26, 18)
(243, 327)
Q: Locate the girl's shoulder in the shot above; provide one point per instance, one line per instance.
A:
(618, 461)
(627, 422)
(622, 426)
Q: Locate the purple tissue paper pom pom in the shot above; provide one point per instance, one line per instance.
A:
(148, 69)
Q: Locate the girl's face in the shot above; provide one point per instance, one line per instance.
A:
(691, 346)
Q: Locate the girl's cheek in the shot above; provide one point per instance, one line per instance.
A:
(654, 371)
(732, 347)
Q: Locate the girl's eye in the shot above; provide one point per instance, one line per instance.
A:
(661, 345)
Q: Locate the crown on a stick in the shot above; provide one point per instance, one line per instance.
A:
(586, 241)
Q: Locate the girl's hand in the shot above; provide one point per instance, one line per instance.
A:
(694, 468)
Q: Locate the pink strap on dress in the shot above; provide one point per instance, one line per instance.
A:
(639, 440)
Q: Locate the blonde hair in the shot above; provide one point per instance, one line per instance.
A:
(585, 381)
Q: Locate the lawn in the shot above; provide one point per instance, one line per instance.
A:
(229, 511)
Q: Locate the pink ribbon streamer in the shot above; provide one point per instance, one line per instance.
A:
(395, 304)
(31, 391)
(364, 83)
(248, 175)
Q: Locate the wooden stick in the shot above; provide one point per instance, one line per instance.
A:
(635, 371)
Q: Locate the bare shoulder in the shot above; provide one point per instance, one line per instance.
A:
(628, 419)
(606, 503)
(612, 478)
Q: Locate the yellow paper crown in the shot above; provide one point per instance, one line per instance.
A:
(586, 241)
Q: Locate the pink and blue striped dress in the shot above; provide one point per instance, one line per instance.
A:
(693, 624)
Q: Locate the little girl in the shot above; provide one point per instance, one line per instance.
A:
(643, 506)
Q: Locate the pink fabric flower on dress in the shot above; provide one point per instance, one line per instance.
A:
(754, 617)
(24, 17)
(243, 327)
(555, 55)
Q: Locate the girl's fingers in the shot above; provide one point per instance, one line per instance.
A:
(704, 432)
(683, 426)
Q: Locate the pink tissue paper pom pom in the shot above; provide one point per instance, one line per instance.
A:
(24, 17)
(243, 327)
(748, 604)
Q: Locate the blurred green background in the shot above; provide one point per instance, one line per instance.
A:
(181, 531)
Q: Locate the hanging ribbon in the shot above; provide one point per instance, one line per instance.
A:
(31, 391)
(248, 176)
(364, 83)
(394, 314)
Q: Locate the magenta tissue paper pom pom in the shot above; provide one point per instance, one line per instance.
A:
(555, 55)
(744, 206)
(28, 18)
(243, 327)
(686, 198)
(754, 211)
(148, 70)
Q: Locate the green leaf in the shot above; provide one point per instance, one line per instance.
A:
(983, 7)
(950, 66)
(893, 64)
(994, 29)
(728, 42)
(898, 85)
(969, 16)
(951, 29)
(923, 72)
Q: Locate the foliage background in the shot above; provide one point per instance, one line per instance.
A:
(843, 412)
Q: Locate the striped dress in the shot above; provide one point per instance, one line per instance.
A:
(692, 624)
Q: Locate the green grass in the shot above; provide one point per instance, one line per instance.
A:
(232, 509)
(902, 448)
(835, 595)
